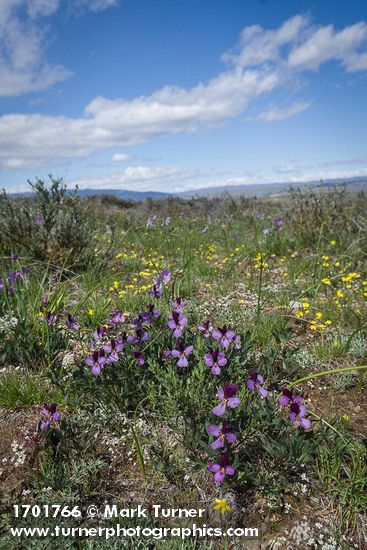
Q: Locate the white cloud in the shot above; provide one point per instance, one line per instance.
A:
(115, 123)
(23, 66)
(300, 45)
(275, 113)
(95, 5)
(325, 44)
(264, 60)
(138, 178)
(120, 157)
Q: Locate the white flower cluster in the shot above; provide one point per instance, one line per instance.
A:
(20, 454)
(8, 324)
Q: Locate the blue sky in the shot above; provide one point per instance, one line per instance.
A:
(182, 94)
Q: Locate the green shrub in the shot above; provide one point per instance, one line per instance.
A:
(52, 225)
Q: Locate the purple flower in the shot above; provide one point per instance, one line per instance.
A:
(97, 361)
(204, 230)
(167, 353)
(167, 221)
(71, 322)
(266, 231)
(117, 317)
(224, 335)
(224, 432)
(177, 321)
(181, 353)
(298, 413)
(139, 358)
(139, 337)
(255, 382)
(49, 317)
(179, 304)
(99, 332)
(49, 414)
(278, 222)
(206, 329)
(226, 396)
(215, 359)
(114, 347)
(151, 220)
(147, 316)
(38, 220)
(221, 469)
(237, 342)
(287, 398)
(14, 256)
(164, 277)
(156, 291)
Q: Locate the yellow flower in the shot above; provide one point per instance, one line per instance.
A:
(305, 305)
(299, 314)
(339, 293)
(91, 312)
(326, 281)
(313, 327)
(333, 243)
(319, 315)
(115, 284)
(328, 322)
(222, 506)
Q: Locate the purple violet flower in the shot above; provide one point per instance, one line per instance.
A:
(226, 396)
(49, 317)
(224, 432)
(164, 277)
(97, 361)
(99, 332)
(147, 316)
(181, 352)
(179, 304)
(278, 222)
(237, 342)
(117, 317)
(177, 321)
(287, 398)
(298, 413)
(139, 337)
(255, 383)
(156, 291)
(71, 322)
(224, 335)
(215, 359)
(206, 329)
(221, 469)
(139, 358)
(49, 414)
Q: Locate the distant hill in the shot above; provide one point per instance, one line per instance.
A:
(353, 185)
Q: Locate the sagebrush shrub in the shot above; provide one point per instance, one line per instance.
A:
(52, 225)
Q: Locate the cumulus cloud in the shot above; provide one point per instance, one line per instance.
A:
(298, 45)
(23, 65)
(276, 113)
(326, 44)
(115, 123)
